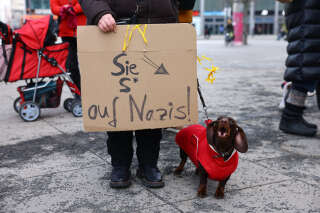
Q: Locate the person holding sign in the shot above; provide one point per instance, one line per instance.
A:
(106, 14)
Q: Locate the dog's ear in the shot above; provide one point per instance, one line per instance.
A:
(211, 131)
(240, 140)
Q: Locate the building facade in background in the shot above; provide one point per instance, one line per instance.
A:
(215, 16)
(39, 6)
(217, 11)
(12, 11)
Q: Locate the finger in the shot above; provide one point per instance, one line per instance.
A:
(102, 26)
(114, 27)
(107, 25)
(112, 24)
(108, 28)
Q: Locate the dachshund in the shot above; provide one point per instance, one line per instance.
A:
(213, 150)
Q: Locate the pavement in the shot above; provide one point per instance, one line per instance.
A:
(51, 165)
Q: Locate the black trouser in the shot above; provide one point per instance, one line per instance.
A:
(72, 60)
(148, 146)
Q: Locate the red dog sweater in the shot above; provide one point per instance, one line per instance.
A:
(193, 141)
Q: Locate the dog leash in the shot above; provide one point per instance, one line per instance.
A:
(202, 100)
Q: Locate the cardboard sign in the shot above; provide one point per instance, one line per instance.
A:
(150, 85)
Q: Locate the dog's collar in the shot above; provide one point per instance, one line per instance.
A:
(222, 155)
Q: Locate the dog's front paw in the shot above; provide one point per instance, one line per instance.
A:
(219, 193)
(202, 191)
(177, 171)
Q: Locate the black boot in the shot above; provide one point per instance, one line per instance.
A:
(150, 176)
(293, 122)
(120, 177)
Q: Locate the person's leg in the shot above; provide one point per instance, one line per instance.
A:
(292, 120)
(121, 151)
(72, 61)
(148, 148)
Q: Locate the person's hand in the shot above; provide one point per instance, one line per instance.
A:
(107, 23)
(285, 1)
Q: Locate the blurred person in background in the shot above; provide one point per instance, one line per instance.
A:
(70, 15)
(229, 32)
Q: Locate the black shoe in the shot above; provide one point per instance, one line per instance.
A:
(150, 176)
(120, 177)
(296, 126)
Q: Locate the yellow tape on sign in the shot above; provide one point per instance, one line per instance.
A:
(128, 37)
(127, 40)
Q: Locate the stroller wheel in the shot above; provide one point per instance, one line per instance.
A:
(67, 104)
(29, 111)
(76, 108)
(17, 104)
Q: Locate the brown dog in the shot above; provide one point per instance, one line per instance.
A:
(213, 150)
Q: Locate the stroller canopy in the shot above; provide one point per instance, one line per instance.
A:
(35, 33)
(35, 36)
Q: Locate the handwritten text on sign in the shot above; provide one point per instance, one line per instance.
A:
(143, 111)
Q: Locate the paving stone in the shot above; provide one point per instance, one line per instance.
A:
(287, 196)
(84, 189)
(43, 156)
(185, 187)
(265, 150)
(16, 130)
(308, 148)
(301, 167)
(160, 209)
(203, 205)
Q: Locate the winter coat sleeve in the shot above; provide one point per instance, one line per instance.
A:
(94, 9)
(55, 7)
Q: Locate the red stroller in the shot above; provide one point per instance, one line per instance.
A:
(37, 59)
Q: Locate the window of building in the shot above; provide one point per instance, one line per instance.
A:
(38, 4)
